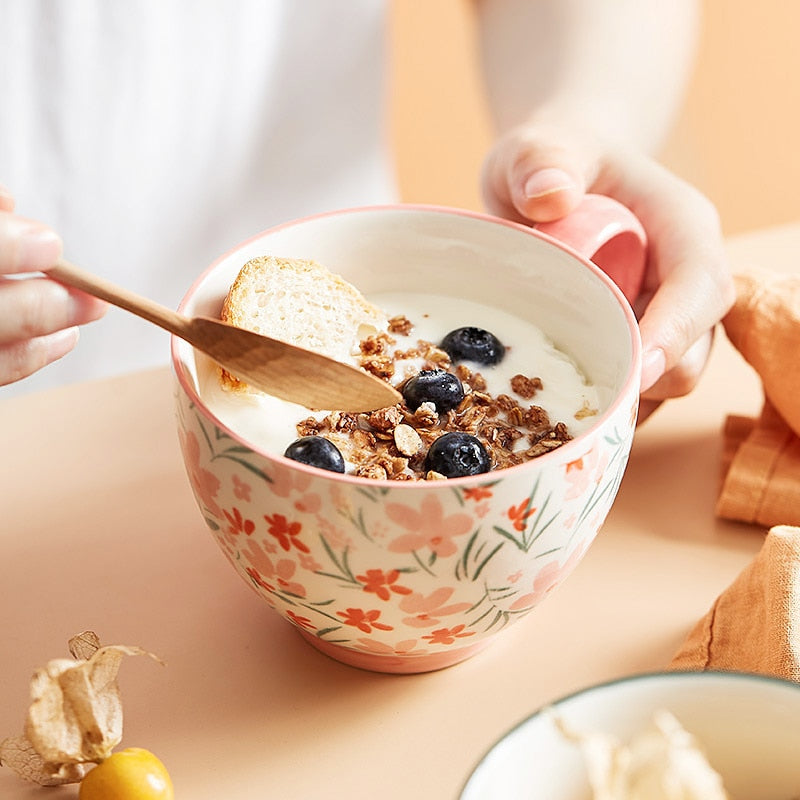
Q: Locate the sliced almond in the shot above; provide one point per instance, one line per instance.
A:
(407, 440)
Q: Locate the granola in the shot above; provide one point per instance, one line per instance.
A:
(391, 443)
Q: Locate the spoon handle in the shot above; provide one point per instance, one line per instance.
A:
(162, 316)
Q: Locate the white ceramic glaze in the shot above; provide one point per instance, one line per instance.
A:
(413, 576)
(746, 725)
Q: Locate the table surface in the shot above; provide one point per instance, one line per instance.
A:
(99, 530)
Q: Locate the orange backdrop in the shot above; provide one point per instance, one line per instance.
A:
(736, 138)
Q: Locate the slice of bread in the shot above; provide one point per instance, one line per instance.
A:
(303, 303)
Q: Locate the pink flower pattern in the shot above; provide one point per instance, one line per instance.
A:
(205, 483)
(308, 562)
(579, 472)
(426, 611)
(241, 490)
(406, 647)
(286, 483)
(547, 579)
(428, 527)
(279, 572)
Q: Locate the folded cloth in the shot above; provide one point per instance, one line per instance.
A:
(754, 625)
(761, 457)
(761, 468)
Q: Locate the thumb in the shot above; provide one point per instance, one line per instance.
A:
(537, 173)
(6, 199)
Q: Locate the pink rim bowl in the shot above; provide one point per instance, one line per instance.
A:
(414, 576)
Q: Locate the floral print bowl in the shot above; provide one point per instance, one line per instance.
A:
(402, 576)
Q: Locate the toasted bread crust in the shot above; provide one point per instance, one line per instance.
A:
(300, 302)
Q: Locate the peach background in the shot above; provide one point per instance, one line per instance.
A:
(736, 137)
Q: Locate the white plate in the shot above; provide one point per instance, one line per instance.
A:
(748, 726)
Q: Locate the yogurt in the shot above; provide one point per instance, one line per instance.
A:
(270, 424)
(529, 352)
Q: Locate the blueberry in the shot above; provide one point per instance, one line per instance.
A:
(436, 386)
(316, 451)
(473, 344)
(456, 454)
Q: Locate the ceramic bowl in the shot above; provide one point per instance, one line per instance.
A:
(745, 724)
(413, 576)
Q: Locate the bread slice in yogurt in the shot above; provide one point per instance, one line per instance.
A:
(303, 303)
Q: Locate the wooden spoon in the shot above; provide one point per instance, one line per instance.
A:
(275, 367)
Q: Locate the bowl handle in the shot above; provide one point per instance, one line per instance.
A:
(606, 232)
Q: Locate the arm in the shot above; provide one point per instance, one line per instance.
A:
(619, 66)
(581, 92)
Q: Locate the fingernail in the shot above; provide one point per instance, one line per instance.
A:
(547, 181)
(654, 362)
(6, 198)
(60, 343)
(38, 248)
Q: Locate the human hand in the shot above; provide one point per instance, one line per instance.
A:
(38, 317)
(539, 172)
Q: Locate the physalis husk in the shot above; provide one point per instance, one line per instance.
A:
(75, 716)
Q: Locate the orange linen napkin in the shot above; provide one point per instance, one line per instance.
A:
(754, 625)
(761, 457)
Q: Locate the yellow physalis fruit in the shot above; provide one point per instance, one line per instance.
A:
(130, 774)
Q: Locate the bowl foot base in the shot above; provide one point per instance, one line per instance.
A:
(397, 664)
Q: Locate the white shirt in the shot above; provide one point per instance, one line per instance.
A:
(154, 135)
